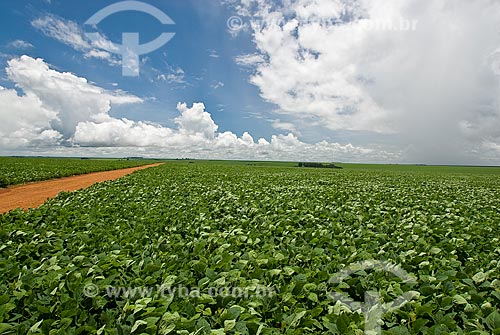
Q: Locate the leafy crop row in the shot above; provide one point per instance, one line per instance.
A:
(288, 229)
(14, 170)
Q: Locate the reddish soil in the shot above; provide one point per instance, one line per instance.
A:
(34, 194)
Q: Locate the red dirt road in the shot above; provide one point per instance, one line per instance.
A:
(34, 194)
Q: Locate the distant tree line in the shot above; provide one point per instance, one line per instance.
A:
(319, 165)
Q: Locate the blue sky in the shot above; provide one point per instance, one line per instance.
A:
(202, 47)
(360, 81)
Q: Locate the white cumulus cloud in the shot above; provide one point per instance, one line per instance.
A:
(25, 122)
(53, 103)
(65, 112)
(419, 69)
(72, 98)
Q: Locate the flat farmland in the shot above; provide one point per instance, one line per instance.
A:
(212, 248)
(20, 170)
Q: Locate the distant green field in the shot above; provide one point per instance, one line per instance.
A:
(385, 168)
(423, 169)
(20, 170)
(116, 258)
(233, 163)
